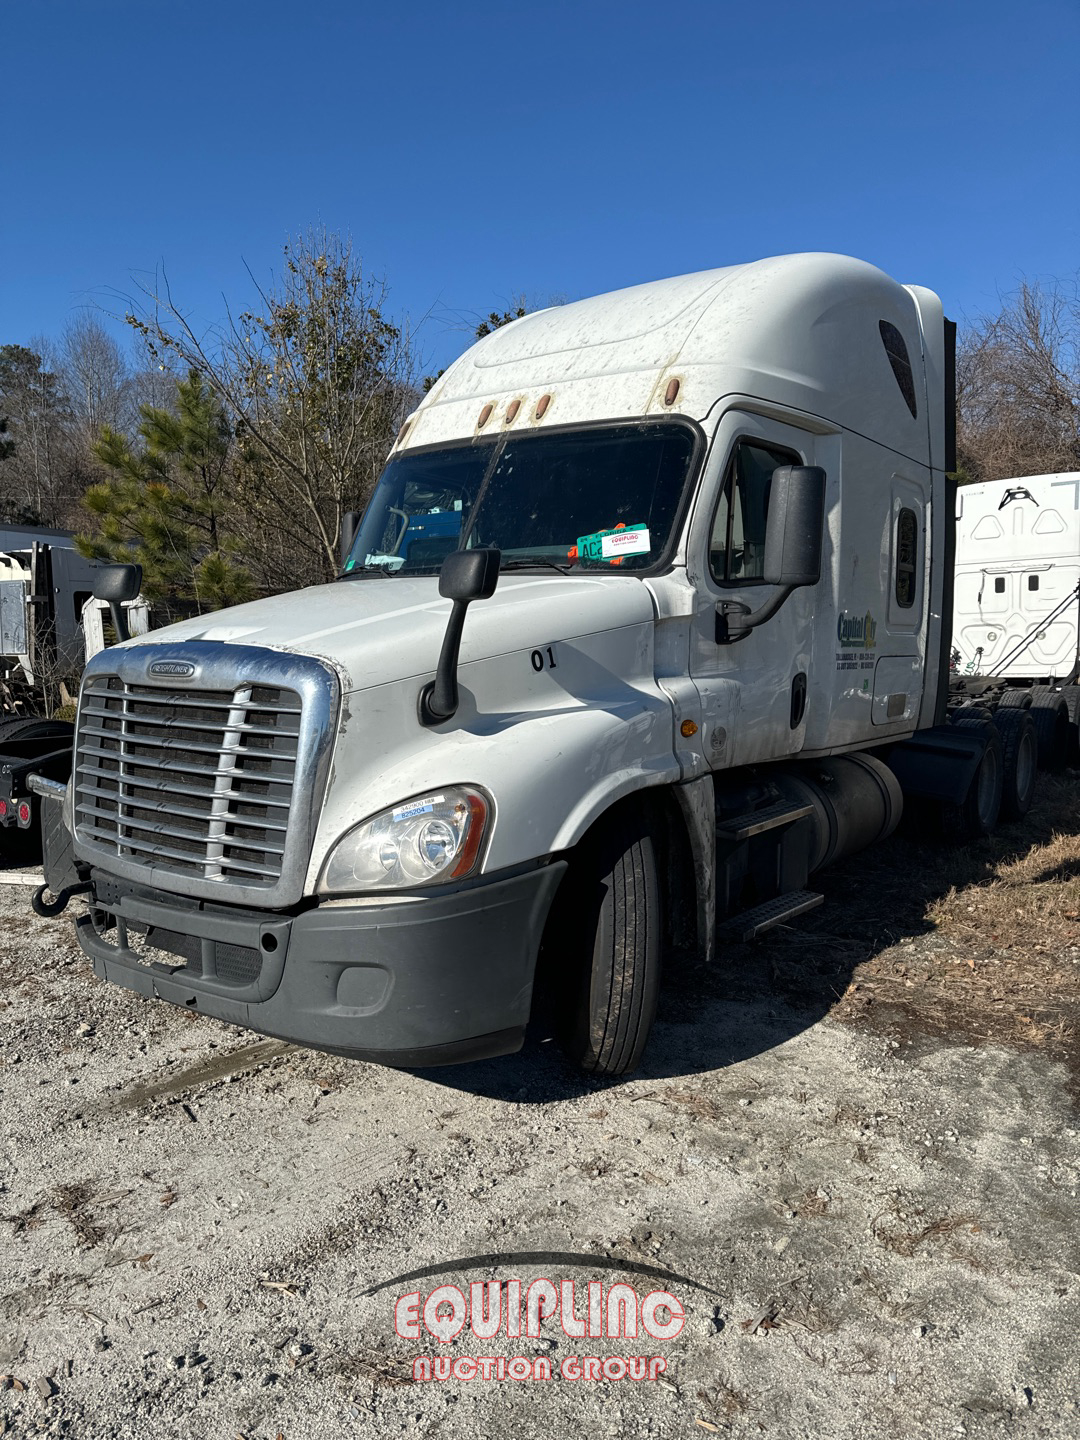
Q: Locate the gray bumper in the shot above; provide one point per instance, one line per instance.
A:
(428, 982)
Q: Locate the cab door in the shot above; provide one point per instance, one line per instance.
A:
(755, 692)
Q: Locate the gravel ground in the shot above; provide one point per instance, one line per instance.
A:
(879, 1223)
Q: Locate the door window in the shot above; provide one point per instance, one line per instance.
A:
(737, 543)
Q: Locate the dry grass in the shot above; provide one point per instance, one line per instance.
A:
(980, 944)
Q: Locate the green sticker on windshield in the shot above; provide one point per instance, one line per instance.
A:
(612, 545)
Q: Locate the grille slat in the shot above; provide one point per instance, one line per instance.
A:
(229, 756)
(118, 822)
(186, 746)
(196, 725)
(191, 791)
(263, 777)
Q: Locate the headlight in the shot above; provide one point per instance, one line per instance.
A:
(426, 841)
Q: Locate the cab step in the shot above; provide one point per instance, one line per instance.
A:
(756, 822)
(752, 923)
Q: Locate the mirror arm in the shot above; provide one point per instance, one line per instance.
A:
(734, 620)
(438, 699)
(119, 620)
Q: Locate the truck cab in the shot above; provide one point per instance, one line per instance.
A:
(651, 587)
(1017, 573)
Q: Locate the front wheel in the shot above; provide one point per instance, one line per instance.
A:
(614, 940)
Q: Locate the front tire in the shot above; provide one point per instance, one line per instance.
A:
(617, 934)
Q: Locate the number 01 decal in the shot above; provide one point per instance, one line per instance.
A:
(543, 659)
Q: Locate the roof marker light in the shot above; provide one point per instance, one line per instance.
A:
(512, 410)
(542, 405)
(672, 391)
(485, 416)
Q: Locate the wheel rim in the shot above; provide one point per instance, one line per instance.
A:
(988, 788)
(1026, 765)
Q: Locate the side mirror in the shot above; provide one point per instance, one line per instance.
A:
(466, 575)
(469, 575)
(350, 523)
(794, 528)
(114, 584)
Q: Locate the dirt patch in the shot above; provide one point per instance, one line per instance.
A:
(981, 944)
(859, 1167)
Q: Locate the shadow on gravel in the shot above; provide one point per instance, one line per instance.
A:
(757, 996)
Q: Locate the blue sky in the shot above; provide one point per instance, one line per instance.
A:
(475, 151)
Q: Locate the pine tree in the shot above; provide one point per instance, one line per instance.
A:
(167, 504)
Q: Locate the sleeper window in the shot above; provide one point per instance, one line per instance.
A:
(737, 544)
(907, 548)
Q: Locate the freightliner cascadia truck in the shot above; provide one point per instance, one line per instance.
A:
(647, 620)
(1016, 618)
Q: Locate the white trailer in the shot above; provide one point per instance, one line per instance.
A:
(1016, 612)
(702, 530)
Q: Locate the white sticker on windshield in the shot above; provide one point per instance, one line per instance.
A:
(625, 542)
(418, 807)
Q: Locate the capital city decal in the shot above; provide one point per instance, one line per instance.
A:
(857, 637)
(858, 630)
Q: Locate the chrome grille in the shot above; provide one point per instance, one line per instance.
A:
(196, 782)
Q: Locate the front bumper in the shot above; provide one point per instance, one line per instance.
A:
(433, 981)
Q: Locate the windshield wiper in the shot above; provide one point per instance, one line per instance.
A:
(523, 564)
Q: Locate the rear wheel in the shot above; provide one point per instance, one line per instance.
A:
(1071, 695)
(977, 814)
(1019, 761)
(612, 918)
(1050, 712)
(1016, 699)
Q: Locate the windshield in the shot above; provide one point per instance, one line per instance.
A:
(590, 499)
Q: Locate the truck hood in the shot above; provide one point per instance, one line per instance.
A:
(389, 628)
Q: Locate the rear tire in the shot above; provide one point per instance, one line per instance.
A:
(614, 908)
(1016, 699)
(1020, 761)
(977, 814)
(1071, 695)
(1050, 712)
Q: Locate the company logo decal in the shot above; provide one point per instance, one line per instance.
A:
(179, 669)
(515, 1310)
(857, 638)
(860, 630)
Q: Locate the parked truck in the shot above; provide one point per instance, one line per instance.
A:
(1016, 624)
(50, 625)
(647, 621)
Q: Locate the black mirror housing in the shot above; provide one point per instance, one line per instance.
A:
(116, 583)
(470, 574)
(795, 526)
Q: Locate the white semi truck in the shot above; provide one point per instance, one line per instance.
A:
(1016, 618)
(647, 620)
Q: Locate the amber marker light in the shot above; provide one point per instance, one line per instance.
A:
(475, 836)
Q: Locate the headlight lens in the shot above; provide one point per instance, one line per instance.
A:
(426, 841)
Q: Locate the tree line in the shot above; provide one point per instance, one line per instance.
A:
(224, 463)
